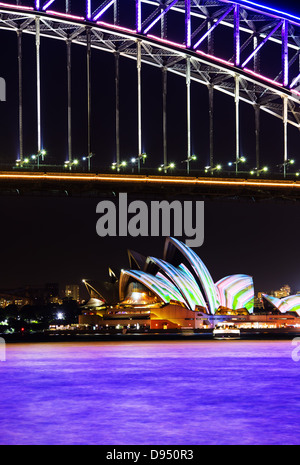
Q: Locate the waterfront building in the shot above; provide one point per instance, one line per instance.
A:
(175, 292)
(178, 293)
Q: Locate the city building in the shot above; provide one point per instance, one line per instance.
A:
(72, 291)
(19, 297)
(52, 293)
(284, 291)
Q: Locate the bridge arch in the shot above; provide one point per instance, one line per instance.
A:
(277, 96)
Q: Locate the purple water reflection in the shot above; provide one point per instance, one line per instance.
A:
(169, 393)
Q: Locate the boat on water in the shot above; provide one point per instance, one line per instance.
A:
(226, 330)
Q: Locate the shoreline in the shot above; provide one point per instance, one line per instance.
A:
(69, 336)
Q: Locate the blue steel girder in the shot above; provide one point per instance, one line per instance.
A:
(250, 27)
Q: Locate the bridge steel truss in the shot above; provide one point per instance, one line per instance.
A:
(260, 64)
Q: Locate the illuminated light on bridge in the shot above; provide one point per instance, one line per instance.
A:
(264, 78)
(149, 179)
(115, 26)
(165, 41)
(67, 183)
(194, 59)
(103, 8)
(65, 15)
(220, 60)
(19, 7)
(272, 10)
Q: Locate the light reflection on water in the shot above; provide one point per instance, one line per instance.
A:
(155, 393)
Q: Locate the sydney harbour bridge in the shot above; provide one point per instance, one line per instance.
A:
(249, 53)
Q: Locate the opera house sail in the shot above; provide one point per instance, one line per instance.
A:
(287, 304)
(181, 277)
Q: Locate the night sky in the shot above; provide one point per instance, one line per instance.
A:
(51, 239)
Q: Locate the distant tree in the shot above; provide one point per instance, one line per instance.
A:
(70, 309)
(11, 311)
(28, 312)
(17, 325)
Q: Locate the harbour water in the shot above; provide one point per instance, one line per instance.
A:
(153, 393)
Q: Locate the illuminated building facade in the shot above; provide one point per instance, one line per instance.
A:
(174, 292)
(182, 278)
(287, 304)
(177, 292)
(72, 291)
(284, 291)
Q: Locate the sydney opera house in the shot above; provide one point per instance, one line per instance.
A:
(177, 292)
(285, 305)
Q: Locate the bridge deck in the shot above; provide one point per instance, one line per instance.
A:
(94, 184)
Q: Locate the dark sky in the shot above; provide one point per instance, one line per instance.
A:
(54, 240)
(50, 239)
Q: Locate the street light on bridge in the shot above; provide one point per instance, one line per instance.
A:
(117, 166)
(166, 167)
(236, 163)
(69, 164)
(137, 160)
(88, 159)
(258, 171)
(41, 154)
(211, 169)
(188, 161)
(34, 158)
(285, 165)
